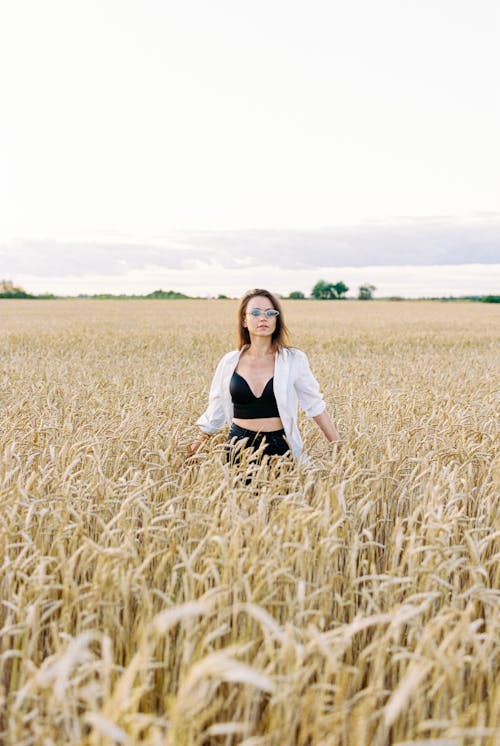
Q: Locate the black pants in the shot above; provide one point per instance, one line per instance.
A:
(273, 443)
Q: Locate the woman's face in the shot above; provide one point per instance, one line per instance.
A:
(262, 325)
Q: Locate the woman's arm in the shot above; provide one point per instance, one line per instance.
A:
(213, 418)
(311, 400)
(328, 428)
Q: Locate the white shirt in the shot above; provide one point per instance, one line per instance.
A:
(293, 384)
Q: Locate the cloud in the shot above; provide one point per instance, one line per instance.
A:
(417, 242)
(56, 258)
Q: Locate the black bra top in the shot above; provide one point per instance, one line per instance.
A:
(247, 406)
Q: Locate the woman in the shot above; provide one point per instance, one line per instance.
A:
(257, 388)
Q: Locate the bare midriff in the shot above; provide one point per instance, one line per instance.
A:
(260, 424)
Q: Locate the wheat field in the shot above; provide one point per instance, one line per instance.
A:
(147, 598)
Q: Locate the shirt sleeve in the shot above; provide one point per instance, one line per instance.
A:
(307, 388)
(213, 418)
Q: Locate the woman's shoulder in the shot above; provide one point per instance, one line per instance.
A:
(229, 357)
(225, 362)
(293, 353)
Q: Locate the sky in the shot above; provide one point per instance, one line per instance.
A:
(211, 146)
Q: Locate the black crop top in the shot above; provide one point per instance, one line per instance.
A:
(247, 406)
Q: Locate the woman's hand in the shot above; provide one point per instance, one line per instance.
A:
(336, 445)
(195, 447)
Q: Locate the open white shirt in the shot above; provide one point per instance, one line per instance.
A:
(294, 385)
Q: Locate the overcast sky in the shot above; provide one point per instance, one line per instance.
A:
(209, 144)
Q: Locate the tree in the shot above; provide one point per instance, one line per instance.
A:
(366, 291)
(323, 290)
(340, 289)
(297, 295)
(166, 294)
(9, 290)
(329, 291)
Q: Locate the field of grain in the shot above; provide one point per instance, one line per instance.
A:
(149, 599)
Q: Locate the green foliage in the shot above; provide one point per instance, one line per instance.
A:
(366, 291)
(296, 295)
(322, 290)
(463, 298)
(155, 295)
(9, 290)
(166, 294)
(16, 294)
(340, 288)
(328, 290)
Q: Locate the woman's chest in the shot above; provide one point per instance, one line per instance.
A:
(256, 375)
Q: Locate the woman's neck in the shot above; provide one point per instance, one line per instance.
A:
(260, 348)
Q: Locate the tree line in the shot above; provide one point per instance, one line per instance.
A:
(324, 290)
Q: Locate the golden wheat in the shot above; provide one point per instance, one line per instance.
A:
(149, 599)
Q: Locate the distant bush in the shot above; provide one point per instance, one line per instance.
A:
(9, 290)
(366, 291)
(297, 295)
(16, 294)
(155, 295)
(162, 294)
(491, 299)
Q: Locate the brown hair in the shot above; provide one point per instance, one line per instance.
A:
(280, 333)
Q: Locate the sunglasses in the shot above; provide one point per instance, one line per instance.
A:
(257, 313)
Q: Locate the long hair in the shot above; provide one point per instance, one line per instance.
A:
(279, 335)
